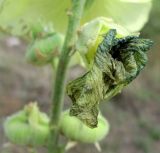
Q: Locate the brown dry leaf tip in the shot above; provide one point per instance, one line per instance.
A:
(39, 54)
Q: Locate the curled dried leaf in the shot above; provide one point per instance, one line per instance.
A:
(117, 62)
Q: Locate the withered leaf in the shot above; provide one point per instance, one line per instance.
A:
(117, 62)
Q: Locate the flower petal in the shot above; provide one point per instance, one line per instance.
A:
(17, 15)
(132, 14)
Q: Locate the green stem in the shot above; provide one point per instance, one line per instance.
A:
(59, 87)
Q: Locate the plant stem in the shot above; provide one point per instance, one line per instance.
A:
(59, 87)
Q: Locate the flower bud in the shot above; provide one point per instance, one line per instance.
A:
(91, 35)
(76, 130)
(28, 126)
(40, 29)
(42, 51)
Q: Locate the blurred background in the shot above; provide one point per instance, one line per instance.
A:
(134, 115)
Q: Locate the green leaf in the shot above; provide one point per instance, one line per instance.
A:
(117, 62)
(17, 16)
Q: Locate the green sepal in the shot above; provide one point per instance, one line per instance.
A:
(43, 50)
(40, 30)
(75, 130)
(28, 127)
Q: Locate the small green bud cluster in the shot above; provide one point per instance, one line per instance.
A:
(42, 51)
(31, 127)
(76, 130)
(27, 127)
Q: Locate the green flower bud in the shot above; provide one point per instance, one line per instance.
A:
(91, 35)
(28, 126)
(42, 51)
(40, 29)
(75, 130)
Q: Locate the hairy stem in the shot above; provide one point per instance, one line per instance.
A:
(59, 87)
